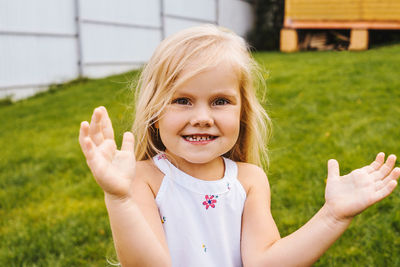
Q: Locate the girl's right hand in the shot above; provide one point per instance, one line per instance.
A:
(113, 169)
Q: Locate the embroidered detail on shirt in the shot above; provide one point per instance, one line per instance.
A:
(227, 185)
(210, 201)
(161, 156)
(204, 247)
(163, 219)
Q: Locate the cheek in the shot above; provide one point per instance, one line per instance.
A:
(170, 123)
(230, 124)
(236, 128)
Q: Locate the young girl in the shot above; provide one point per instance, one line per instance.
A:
(192, 192)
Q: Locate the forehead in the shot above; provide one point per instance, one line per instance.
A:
(220, 78)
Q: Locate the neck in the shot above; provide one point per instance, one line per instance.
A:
(209, 171)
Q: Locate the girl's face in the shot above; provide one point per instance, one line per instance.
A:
(202, 121)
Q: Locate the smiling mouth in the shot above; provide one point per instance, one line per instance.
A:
(199, 138)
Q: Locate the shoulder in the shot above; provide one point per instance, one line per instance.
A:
(147, 173)
(147, 167)
(252, 176)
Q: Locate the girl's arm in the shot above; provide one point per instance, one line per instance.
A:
(135, 224)
(135, 234)
(346, 196)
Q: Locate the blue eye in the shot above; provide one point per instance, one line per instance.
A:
(181, 101)
(221, 102)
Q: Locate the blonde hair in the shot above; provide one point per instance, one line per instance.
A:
(200, 48)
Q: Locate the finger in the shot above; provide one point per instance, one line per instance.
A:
(95, 130)
(88, 148)
(84, 129)
(386, 168)
(128, 142)
(333, 168)
(374, 166)
(83, 132)
(94, 162)
(394, 175)
(108, 131)
(385, 191)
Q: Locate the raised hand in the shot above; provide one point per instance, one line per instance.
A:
(348, 195)
(113, 169)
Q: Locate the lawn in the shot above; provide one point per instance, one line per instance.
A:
(342, 105)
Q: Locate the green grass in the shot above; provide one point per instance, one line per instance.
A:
(323, 105)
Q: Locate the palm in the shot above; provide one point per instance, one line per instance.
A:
(113, 169)
(350, 194)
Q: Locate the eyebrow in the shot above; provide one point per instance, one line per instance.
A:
(234, 95)
(227, 92)
(217, 92)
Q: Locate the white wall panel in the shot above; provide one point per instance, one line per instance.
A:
(172, 25)
(39, 45)
(110, 44)
(30, 60)
(123, 11)
(21, 93)
(236, 15)
(54, 16)
(98, 71)
(196, 9)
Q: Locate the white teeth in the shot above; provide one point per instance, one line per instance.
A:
(198, 138)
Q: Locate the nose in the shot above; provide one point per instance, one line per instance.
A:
(202, 117)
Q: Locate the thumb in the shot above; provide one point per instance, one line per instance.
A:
(333, 168)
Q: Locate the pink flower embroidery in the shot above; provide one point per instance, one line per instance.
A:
(209, 201)
(161, 156)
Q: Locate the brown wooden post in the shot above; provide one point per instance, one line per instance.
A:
(289, 40)
(358, 39)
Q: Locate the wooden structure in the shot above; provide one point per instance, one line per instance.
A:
(357, 15)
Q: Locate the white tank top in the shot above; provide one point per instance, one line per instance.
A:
(201, 219)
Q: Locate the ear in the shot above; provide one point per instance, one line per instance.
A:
(156, 125)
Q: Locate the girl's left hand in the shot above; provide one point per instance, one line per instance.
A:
(348, 195)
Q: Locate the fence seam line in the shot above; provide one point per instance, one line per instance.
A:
(78, 39)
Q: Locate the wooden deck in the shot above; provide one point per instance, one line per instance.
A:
(359, 16)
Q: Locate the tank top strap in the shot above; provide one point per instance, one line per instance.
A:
(162, 163)
(231, 169)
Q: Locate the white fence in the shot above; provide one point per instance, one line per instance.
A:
(43, 42)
